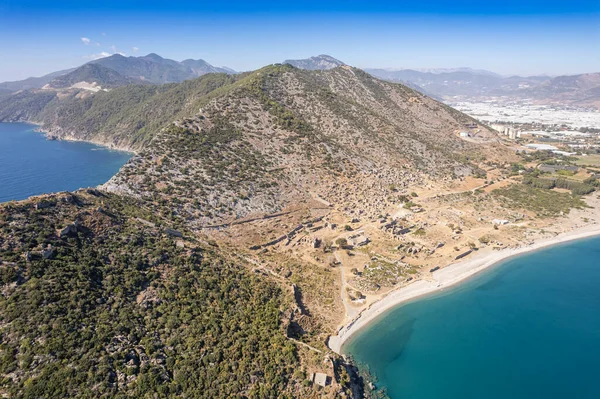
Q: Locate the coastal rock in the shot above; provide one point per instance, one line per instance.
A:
(45, 204)
(72, 230)
(94, 192)
(49, 252)
(174, 233)
(69, 230)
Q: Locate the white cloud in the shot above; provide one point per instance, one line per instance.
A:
(102, 54)
(135, 49)
(103, 34)
(97, 56)
(113, 48)
(85, 40)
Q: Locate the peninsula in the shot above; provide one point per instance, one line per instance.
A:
(262, 216)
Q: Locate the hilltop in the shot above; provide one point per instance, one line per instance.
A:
(448, 84)
(443, 84)
(319, 62)
(156, 69)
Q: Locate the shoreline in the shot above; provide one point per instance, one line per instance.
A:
(448, 276)
(37, 128)
(50, 136)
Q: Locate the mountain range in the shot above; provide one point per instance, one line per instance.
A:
(476, 85)
(151, 68)
(33, 82)
(446, 84)
(467, 84)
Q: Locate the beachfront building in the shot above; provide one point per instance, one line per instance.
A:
(506, 130)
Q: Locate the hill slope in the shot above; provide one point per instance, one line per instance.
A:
(33, 82)
(260, 144)
(92, 74)
(100, 300)
(125, 118)
(578, 89)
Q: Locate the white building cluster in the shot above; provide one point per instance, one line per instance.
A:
(506, 130)
(526, 112)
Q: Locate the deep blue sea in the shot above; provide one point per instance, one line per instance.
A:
(528, 328)
(31, 165)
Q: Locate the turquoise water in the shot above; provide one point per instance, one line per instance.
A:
(31, 165)
(529, 328)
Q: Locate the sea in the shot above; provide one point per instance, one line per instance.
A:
(526, 328)
(31, 165)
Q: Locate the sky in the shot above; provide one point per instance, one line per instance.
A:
(510, 37)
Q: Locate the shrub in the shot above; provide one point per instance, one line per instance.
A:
(342, 242)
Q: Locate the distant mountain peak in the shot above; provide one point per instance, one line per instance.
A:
(154, 56)
(191, 60)
(319, 62)
(155, 69)
(92, 74)
(327, 57)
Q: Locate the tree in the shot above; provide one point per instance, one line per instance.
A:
(341, 242)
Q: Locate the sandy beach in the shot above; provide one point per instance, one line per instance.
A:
(446, 277)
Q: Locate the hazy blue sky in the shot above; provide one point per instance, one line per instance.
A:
(508, 37)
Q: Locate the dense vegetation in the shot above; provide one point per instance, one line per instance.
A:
(577, 188)
(102, 76)
(545, 202)
(118, 308)
(24, 106)
(127, 116)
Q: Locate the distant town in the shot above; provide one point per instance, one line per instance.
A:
(566, 131)
(531, 115)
